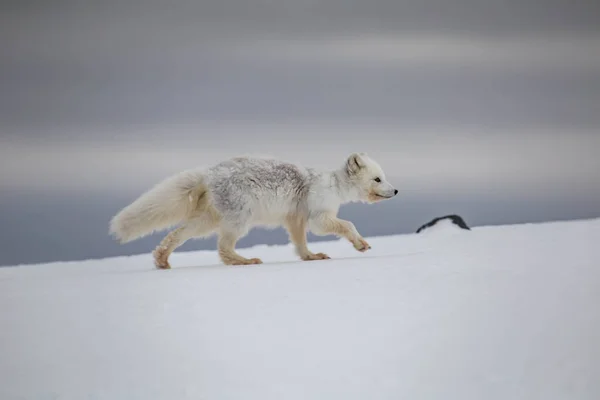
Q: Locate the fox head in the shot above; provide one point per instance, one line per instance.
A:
(368, 178)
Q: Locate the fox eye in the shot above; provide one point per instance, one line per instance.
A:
(377, 180)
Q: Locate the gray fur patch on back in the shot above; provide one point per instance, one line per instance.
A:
(239, 182)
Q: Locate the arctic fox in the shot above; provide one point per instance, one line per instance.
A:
(233, 196)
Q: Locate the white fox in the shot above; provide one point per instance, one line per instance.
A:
(233, 196)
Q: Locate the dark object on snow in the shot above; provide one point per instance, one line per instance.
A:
(456, 220)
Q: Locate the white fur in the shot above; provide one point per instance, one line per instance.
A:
(166, 204)
(233, 196)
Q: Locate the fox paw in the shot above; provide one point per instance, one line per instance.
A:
(161, 260)
(361, 245)
(247, 261)
(318, 256)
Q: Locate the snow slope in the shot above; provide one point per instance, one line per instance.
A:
(508, 312)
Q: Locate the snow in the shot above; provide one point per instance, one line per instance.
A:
(503, 312)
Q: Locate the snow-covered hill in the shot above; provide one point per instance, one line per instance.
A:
(508, 312)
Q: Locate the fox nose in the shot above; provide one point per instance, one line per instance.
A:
(395, 192)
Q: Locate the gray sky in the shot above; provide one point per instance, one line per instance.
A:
(490, 109)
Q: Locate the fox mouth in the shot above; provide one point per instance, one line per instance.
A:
(375, 197)
(382, 196)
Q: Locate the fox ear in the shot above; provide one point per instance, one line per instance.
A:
(354, 163)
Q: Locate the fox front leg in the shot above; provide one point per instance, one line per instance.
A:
(296, 227)
(328, 224)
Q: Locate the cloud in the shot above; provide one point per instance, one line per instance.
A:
(392, 31)
(435, 160)
(428, 50)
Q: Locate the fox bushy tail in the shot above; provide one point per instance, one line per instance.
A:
(168, 203)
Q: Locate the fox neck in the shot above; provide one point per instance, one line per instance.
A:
(341, 183)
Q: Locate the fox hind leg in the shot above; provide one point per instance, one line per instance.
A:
(197, 227)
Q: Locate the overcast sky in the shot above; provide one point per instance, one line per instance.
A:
(487, 108)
